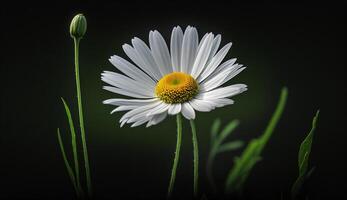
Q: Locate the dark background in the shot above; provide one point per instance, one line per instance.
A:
(301, 46)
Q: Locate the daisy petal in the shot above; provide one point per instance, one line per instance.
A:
(202, 41)
(189, 47)
(215, 46)
(219, 77)
(163, 107)
(160, 52)
(139, 123)
(215, 61)
(156, 119)
(145, 54)
(223, 102)
(174, 109)
(176, 48)
(232, 74)
(213, 82)
(139, 117)
(136, 58)
(187, 111)
(201, 57)
(131, 70)
(126, 83)
(140, 110)
(223, 92)
(223, 66)
(129, 102)
(201, 105)
(123, 108)
(125, 92)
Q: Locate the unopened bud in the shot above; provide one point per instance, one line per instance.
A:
(78, 26)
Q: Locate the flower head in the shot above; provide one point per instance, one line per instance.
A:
(186, 79)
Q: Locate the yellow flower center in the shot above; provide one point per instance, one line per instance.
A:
(176, 87)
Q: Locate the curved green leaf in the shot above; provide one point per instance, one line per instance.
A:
(214, 130)
(304, 153)
(230, 146)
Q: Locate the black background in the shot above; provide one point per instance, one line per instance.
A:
(301, 46)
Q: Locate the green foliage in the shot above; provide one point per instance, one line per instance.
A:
(304, 153)
(251, 155)
(68, 167)
(217, 145)
(74, 176)
(229, 146)
(73, 142)
(214, 130)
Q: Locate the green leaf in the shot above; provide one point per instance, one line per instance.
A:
(305, 147)
(230, 146)
(214, 130)
(229, 128)
(67, 165)
(217, 147)
(251, 155)
(73, 142)
(303, 157)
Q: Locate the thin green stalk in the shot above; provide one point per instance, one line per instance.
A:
(74, 145)
(196, 158)
(67, 165)
(80, 115)
(252, 153)
(177, 155)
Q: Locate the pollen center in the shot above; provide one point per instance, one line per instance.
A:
(176, 87)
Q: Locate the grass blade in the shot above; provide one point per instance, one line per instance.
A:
(73, 143)
(216, 141)
(230, 146)
(304, 153)
(214, 130)
(68, 167)
(229, 128)
(251, 155)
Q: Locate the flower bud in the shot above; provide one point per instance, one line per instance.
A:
(78, 26)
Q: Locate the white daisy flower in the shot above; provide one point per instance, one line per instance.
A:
(184, 79)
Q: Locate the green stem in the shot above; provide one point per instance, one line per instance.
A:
(177, 155)
(80, 114)
(196, 157)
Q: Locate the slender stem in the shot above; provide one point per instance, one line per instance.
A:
(196, 158)
(177, 155)
(80, 114)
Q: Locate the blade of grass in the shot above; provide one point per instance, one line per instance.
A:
(229, 128)
(73, 143)
(303, 156)
(251, 155)
(216, 140)
(230, 146)
(214, 130)
(67, 165)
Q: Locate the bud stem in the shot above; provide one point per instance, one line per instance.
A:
(80, 114)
